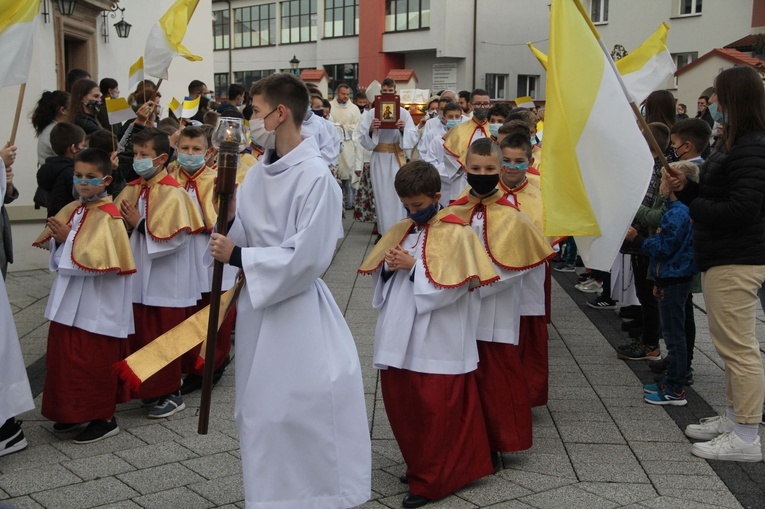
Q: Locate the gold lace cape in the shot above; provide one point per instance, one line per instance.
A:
(203, 182)
(169, 208)
(457, 139)
(452, 254)
(101, 243)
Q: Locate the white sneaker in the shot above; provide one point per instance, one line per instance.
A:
(590, 286)
(728, 447)
(709, 428)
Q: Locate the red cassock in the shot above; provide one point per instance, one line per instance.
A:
(438, 424)
(533, 346)
(504, 397)
(79, 383)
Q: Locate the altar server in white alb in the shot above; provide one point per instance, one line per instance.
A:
(15, 394)
(90, 307)
(299, 397)
(387, 146)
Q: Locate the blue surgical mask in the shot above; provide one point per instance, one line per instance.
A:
(191, 162)
(717, 115)
(534, 140)
(90, 182)
(424, 215)
(452, 123)
(145, 167)
(494, 129)
(516, 166)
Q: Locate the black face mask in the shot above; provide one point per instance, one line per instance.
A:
(483, 184)
(94, 106)
(318, 113)
(481, 114)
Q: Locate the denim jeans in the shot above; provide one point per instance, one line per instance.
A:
(569, 251)
(672, 307)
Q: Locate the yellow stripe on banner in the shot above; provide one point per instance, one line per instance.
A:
(654, 45)
(575, 70)
(13, 12)
(137, 66)
(115, 105)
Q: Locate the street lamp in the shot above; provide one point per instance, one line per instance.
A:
(294, 63)
(122, 27)
(66, 7)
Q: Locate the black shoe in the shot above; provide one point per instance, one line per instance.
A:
(496, 461)
(601, 303)
(65, 427)
(403, 479)
(659, 366)
(638, 351)
(636, 332)
(412, 500)
(377, 239)
(218, 374)
(190, 384)
(97, 430)
(12, 437)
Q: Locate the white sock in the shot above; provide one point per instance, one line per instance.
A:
(746, 432)
(729, 413)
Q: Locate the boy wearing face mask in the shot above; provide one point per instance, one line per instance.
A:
(162, 218)
(425, 344)
(535, 303)
(521, 127)
(497, 115)
(89, 308)
(458, 139)
(516, 247)
(198, 180)
(452, 183)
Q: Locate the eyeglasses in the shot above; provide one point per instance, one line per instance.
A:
(481, 105)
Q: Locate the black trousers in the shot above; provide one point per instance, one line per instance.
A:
(649, 306)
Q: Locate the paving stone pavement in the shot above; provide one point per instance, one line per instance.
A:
(596, 444)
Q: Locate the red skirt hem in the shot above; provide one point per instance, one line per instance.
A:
(79, 383)
(438, 425)
(504, 397)
(534, 357)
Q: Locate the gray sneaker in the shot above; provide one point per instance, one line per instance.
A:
(167, 406)
(709, 428)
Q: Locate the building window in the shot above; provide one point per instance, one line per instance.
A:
(221, 84)
(221, 30)
(681, 60)
(496, 85)
(247, 78)
(690, 7)
(599, 11)
(402, 15)
(527, 86)
(341, 18)
(298, 21)
(255, 26)
(343, 73)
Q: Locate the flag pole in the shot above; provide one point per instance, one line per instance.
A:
(16, 117)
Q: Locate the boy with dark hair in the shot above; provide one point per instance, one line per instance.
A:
(425, 345)
(55, 176)
(497, 117)
(198, 180)
(299, 393)
(89, 307)
(235, 99)
(197, 89)
(515, 246)
(689, 139)
(162, 218)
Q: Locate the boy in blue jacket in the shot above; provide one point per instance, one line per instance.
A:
(673, 267)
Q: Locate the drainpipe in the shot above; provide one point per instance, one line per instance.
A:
(475, 36)
(230, 45)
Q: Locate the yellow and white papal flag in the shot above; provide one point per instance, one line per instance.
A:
(644, 70)
(176, 107)
(165, 38)
(119, 110)
(17, 33)
(136, 74)
(190, 107)
(597, 163)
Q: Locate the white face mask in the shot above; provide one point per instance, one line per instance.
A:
(260, 136)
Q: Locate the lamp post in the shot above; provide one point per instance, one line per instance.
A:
(66, 7)
(294, 63)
